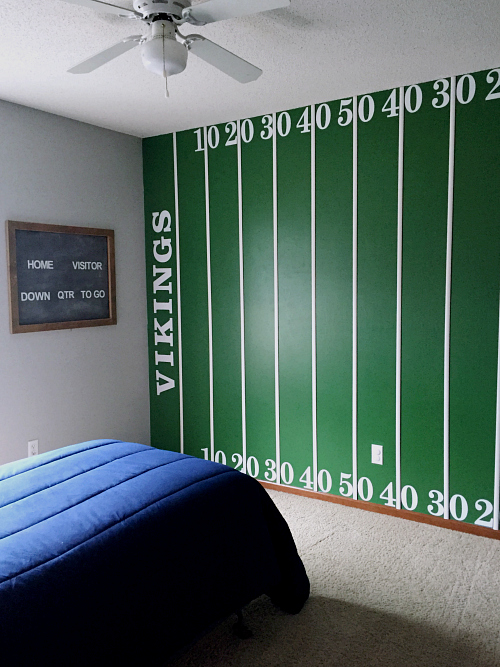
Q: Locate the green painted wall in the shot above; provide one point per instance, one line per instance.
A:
(326, 279)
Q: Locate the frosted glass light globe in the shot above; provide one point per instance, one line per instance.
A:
(162, 53)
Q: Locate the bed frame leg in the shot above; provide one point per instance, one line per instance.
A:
(240, 629)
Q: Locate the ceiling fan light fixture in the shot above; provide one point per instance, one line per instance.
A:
(161, 53)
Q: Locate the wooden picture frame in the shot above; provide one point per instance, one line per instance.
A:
(66, 252)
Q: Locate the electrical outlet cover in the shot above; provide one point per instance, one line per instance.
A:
(377, 454)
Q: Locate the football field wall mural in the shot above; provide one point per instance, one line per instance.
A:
(327, 279)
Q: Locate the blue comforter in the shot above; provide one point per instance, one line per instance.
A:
(108, 548)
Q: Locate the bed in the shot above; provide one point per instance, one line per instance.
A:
(110, 549)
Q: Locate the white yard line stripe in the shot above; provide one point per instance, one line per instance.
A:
(209, 290)
(496, 497)
(313, 298)
(399, 294)
(449, 247)
(179, 315)
(242, 309)
(355, 297)
(276, 301)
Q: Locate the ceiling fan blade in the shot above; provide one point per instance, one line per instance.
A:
(225, 61)
(219, 10)
(90, 64)
(106, 7)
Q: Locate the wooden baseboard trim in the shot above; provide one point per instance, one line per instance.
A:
(451, 524)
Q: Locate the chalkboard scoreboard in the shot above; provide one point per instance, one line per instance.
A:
(60, 277)
(326, 279)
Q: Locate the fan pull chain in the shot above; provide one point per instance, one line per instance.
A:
(167, 94)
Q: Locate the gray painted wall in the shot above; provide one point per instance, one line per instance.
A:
(63, 387)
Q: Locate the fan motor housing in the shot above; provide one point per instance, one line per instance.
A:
(161, 53)
(150, 8)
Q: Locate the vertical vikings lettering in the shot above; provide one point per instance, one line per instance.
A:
(162, 303)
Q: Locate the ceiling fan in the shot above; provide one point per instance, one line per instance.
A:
(164, 49)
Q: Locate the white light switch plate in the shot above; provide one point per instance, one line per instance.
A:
(378, 454)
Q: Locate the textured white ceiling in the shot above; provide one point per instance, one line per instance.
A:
(317, 50)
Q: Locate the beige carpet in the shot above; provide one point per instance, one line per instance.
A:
(384, 592)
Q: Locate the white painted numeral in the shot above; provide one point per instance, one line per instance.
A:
(471, 89)
(346, 488)
(213, 136)
(306, 479)
(437, 500)
(365, 494)
(464, 507)
(252, 466)
(413, 99)
(488, 509)
(390, 497)
(286, 471)
(268, 131)
(325, 481)
(270, 474)
(391, 107)
(366, 108)
(220, 457)
(445, 97)
(490, 78)
(247, 131)
(323, 116)
(205, 453)
(404, 498)
(305, 123)
(200, 142)
(232, 130)
(238, 459)
(344, 109)
(284, 124)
